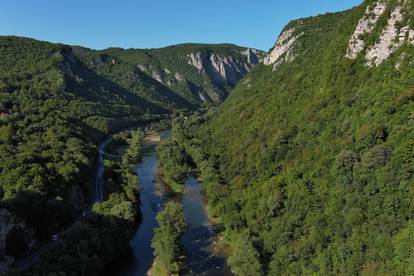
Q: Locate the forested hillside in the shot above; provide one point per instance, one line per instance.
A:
(190, 75)
(56, 103)
(309, 162)
(53, 112)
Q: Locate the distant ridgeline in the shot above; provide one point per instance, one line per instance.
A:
(57, 102)
(309, 163)
(180, 76)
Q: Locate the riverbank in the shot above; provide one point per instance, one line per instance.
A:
(200, 240)
(204, 246)
(154, 137)
(140, 256)
(205, 249)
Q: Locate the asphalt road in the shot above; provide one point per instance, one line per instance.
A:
(98, 197)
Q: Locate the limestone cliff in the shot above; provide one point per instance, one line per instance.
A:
(282, 51)
(224, 69)
(391, 36)
(200, 74)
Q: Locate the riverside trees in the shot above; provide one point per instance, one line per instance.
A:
(166, 241)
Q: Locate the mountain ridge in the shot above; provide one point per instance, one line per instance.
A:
(56, 103)
(307, 162)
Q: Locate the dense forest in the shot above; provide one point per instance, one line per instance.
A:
(174, 164)
(53, 113)
(176, 77)
(166, 242)
(102, 235)
(309, 163)
(57, 102)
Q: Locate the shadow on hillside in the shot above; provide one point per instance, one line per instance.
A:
(83, 249)
(97, 88)
(94, 87)
(171, 95)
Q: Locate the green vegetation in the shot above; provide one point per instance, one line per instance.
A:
(103, 235)
(53, 112)
(173, 164)
(134, 150)
(164, 76)
(245, 260)
(121, 186)
(311, 165)
(56, 103)
(166, 241)
(88, 245)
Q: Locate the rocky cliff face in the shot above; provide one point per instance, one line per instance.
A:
(200, 74)
(365, 25)
(332, 126)
(283, 49)
(384, 27)
(397, 31)
(224, 69)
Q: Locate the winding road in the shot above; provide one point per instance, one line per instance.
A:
(99, 179)
(98, 197)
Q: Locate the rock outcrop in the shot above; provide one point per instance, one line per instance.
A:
(179, 77)
(283, 46)
(253, 55)
(223, 69)
(157, 76)
(392, 36)
(143, 67)
(365, 25)
(390, 40)
(411, 37)
(178, 73)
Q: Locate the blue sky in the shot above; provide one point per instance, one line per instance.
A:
(156, 23)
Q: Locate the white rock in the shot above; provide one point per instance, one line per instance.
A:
(196, 60)
(283, 45)
(142, 67)
(179, 77)
(221, 69)
(390, 40)
(157, 76)
(252, 56)
(411, 37)
(365, 26)
(201, 97)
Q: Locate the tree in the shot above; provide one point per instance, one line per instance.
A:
(245, 260)
(404, 250)
(166, 241)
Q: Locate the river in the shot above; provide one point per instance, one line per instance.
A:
(197, 240)
(140, 258)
